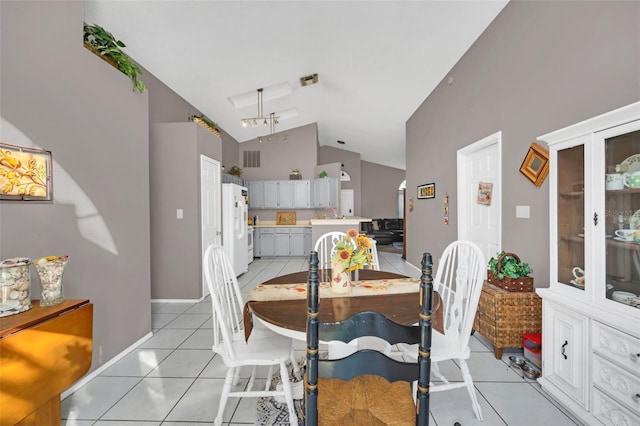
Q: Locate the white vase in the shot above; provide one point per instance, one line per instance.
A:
(340, 280)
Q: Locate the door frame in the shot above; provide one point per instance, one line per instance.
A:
(463, 177)
(218, 207)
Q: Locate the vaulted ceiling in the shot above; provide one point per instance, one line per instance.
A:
(376, 61)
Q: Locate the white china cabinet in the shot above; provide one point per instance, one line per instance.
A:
(591, 311)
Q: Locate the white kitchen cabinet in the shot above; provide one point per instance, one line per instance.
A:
(325, 193)
(591, 330)
(296, 241)
(256, 195)
(280, 194)
(282, 242)
(267, 242)
(308, 240)
(301, 194)
(270, 190)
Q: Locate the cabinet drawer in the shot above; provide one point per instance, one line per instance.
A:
(297, 230)
(617, 383)
(282, 230)
(617, 346)
(610, 412)
(266, 230)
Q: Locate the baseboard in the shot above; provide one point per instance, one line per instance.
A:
(177, 300)
(95, 373)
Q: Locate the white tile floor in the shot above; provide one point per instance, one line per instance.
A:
(174, 379)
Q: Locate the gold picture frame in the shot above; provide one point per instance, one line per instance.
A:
(25, 173)
(536, 164)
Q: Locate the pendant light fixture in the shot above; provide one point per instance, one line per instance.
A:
(271, 120)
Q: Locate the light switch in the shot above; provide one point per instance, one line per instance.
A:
(179, 214)
(522, 212)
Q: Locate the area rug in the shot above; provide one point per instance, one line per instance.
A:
(272, 412)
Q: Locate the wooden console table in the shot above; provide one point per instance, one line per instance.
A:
(504, 316)
(43, 351)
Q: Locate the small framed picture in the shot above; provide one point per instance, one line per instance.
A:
(428, 190)
(536, 164)
(25, 173)
(484, 193)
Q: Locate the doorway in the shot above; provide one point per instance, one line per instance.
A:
(481, 222)
(346, 202)
(210, 220)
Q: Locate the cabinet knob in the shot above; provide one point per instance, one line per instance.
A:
(634, 357)
(595, 218)
(636, 397)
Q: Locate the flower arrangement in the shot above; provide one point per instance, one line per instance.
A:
(351, 251)
(295, 171)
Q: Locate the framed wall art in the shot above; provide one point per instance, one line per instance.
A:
(484, 193)
(536, 164)
(428, 190)
(25, 173)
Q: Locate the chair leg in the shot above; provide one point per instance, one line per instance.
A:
(436, 372)
(236, 377)
(267, 385)
(466, 376)
(224, 396)
(252, 378)
(288, 396)
(296, 366)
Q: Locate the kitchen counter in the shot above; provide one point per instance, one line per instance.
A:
(351, 220)
(272, 223)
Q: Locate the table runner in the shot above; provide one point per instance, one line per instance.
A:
(267, 292)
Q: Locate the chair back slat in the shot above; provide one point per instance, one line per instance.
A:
(369, 362)
(226, 298)
(458, 281)
(325, 247)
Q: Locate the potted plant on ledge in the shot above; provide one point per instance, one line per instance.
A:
(105, 45)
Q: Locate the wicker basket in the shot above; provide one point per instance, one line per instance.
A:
(503, 317)
(520, 284)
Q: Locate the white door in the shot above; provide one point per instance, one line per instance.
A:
(209, 207)
(346, 202)
(477, 222)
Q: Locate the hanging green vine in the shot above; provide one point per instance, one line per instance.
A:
(105, 44)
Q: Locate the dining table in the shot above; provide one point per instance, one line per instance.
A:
(280, 304)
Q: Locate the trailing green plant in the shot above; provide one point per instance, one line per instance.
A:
(236, 171)
(108, 46)
(206, 121)
(510, 267)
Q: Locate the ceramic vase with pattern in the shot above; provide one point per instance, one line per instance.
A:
(50, 270)
(340, 280)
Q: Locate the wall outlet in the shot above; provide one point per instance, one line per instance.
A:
(179, 214)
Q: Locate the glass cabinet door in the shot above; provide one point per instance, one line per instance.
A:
(571, 205)
(622, 211)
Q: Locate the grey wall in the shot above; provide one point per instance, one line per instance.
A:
(63, 98)
(174, 160)
(380, 190)
(538, 67)
(351, 161)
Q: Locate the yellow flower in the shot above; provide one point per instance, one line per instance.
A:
(351, 251)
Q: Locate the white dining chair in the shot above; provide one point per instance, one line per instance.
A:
(461, 272)
(263, 348)
(372, 251)
(325, 246)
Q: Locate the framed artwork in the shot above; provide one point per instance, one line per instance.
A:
(536, 164)
(484, 193)
(25, 173)
(427, 190)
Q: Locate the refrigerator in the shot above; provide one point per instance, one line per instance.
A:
(235, 240)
